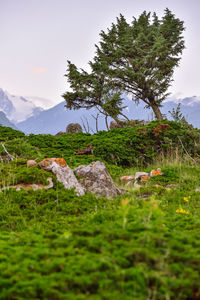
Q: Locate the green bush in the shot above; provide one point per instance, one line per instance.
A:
(122, 146)
(141, 245)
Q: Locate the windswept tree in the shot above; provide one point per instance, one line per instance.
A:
(92, 90)
(138, 59)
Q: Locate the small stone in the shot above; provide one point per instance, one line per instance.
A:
(127, 179)
(155, 172)
(31, 163)
(138, 175)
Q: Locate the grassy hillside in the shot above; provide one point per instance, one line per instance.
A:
(142, 245)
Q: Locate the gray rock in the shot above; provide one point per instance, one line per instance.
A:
(140, 174)
(122, 124)
(63, 173)
(60, 133)
(96, 180)
(74, 128)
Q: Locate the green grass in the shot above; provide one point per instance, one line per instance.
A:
(55, 245)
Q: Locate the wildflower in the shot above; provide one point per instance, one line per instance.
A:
(182, 211)
(186, 199)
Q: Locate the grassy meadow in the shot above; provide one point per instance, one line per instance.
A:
(141, 245)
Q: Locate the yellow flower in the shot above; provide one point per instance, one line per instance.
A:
(186, 199)
(182, 211)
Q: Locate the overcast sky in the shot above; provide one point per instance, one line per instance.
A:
(39, 36)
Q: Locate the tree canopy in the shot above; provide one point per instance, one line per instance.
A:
(138, 59)
(92, 90)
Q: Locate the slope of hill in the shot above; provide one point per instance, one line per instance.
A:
(5, 122)
(143, 244)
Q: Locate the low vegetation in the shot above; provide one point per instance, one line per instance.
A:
(141, 245)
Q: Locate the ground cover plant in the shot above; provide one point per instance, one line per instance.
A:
(141, 245)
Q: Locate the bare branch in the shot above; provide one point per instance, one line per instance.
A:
(9, 155)
(186, 151)
(96, 119)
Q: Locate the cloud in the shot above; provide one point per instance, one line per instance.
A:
(37, 70)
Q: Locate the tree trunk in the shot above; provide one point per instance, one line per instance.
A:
(157, 112)
(115, 119)
(125, 117)
(106, 121)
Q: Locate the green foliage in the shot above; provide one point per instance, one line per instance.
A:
(121, 146)
(177, 115)
(20, 147)
(17, 172)
(92, 90)
(62, 246)
(170, 176)
(7, 133)
(137, 58)
(140, 245)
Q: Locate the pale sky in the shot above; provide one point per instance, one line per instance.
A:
(39, 36)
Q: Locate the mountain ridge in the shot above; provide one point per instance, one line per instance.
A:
(58, 117)
(29, 118)
(17, 108)
(5, 122)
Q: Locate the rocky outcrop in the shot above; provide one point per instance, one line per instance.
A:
(74, 128)
(96, 180)
(93, 178)
(64, 174)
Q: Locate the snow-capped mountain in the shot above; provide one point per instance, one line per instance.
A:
(41, 102)
(30, 114)
(17, 108)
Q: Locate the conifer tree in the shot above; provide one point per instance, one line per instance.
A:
(92, 90)
(138, 59)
